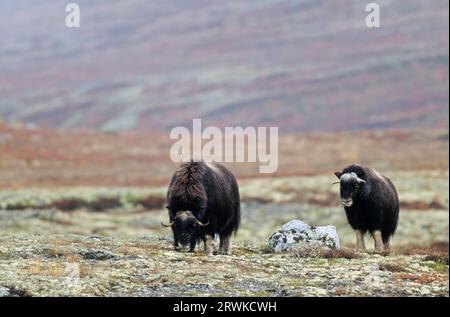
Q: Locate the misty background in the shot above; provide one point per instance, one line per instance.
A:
(305, 66)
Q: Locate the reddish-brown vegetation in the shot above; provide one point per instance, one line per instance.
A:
(422, 205)
(42, 157)
(152, 202)
(437, 252)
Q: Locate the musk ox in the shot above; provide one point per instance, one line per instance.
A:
(371, 204)
(203, 200)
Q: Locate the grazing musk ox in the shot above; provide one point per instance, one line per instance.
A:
(371, 204)
(203, 200)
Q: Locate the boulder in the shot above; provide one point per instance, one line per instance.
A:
(297, 234)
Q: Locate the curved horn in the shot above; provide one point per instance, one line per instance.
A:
(169, 225)
(360, 180)
(201, 224)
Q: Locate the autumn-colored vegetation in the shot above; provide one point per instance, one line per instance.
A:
(31, 157)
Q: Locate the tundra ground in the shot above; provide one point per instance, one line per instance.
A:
(108, 242)
(78, 265)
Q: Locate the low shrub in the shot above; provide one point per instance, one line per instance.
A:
(151, 202)
(104, 203)
(68, 204)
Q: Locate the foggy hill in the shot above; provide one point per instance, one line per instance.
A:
(305, 65)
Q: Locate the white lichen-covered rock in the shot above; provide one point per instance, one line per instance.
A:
(296, 235)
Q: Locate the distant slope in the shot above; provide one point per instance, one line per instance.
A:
(37, 157)
(150, 65)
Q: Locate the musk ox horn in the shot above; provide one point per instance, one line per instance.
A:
(360, 180)
(169, 225)
(201, 224)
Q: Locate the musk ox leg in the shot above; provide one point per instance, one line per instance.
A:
(377, 240)
(175, 244)
(192, 246)
(360, 240)
(386, 236)
(225, 245)
(208, 245)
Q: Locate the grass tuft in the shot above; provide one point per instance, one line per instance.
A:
(151, 202)
(104, 203)
(392, 267)
(326, 253)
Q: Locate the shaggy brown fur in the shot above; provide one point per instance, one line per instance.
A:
(187, 185)
(203, 193)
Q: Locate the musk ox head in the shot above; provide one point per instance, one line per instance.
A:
(185, 227)
(351, 186)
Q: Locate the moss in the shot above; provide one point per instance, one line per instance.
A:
(438, 258)
(52, 253)
(261, 294)
(294, 283)
(437, 267)
(321, 262)
(5, 255)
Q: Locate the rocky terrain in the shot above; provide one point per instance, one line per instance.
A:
(91, 246)
(76, 265)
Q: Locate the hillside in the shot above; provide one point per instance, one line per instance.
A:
(36, 157)
(308, 66)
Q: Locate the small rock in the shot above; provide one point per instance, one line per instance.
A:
(7, 292)
(96, 238)
(296, 234)
(4, 292)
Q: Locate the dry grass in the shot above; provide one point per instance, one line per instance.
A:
(392, 267)
(341, 254)
(327, 253)
(49, 269)
(436, 252)
(423, 205)
(425, 278)
(259, 200)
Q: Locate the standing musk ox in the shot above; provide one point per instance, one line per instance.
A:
(203, 200)
(371, 203)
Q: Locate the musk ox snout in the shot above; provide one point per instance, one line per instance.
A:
(347, 202)
(350, 186)
(185, 227)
